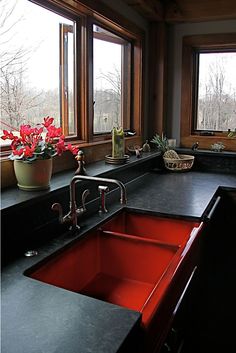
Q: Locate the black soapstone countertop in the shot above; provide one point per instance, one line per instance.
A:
(180, 194)
(37, 317)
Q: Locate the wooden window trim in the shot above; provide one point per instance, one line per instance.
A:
(126, 88)
(190, 45)
(63, 68)
(105, 37)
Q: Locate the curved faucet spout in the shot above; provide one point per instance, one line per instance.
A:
(76, 178)
(72, 215)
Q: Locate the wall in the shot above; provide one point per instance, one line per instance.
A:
(175, 35)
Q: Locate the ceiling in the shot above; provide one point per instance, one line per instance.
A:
(173, 11)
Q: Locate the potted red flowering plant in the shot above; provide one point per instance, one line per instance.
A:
(32, 152)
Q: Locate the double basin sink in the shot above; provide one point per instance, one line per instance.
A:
(130, 260)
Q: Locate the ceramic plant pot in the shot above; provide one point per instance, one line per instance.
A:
(34, 175)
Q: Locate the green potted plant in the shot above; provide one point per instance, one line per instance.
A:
(172, 160)
(161, 142)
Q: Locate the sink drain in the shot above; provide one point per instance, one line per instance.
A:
(31, 253)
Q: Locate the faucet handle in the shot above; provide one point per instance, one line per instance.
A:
(80, 210)
(84, 195)
(58, 208)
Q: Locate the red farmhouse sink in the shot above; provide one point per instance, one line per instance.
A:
(130, 261)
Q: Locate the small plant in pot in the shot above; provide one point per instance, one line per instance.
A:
(32, 152)
(172, 160)
(161, 142)
(163, 145)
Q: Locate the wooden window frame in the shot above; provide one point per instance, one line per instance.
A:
(63, 69)
(191, 46)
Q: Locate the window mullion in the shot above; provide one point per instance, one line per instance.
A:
(64, 78)
(64, 73)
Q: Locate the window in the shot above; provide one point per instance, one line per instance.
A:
(215, 108)
(111, 80)
(208, 106)
(37, 66)
(75, 65)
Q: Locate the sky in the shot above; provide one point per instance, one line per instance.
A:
(35, 29)
(228, 62)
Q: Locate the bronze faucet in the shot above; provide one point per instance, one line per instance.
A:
(72, 215)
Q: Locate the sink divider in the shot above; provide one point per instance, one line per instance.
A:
(140, 239)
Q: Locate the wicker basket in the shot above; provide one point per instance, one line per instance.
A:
(183, 164)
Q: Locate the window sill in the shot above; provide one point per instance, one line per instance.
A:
(94, 152)
(205, 142)
(203, 152)
(13, 197)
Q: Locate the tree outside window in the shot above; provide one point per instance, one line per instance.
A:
(216, 104)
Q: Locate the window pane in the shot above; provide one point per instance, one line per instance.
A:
(71, 94)
(30, 56)
(107, 73)
(217, 92)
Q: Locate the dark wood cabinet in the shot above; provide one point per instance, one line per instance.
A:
(213, 304)
(205, 319)
(182, 320)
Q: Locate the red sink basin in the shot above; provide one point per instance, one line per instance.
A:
(167, 230)
(118, 269)
(137, 261)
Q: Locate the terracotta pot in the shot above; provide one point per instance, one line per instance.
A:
(35, 175)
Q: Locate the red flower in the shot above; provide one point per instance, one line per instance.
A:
(54, 131)
(8, 135)
(25, 130)
(32, 143)
(60, 146)
(38, 131)
(73, 149)
(29, 151)
(18, 152)
(48, 121)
